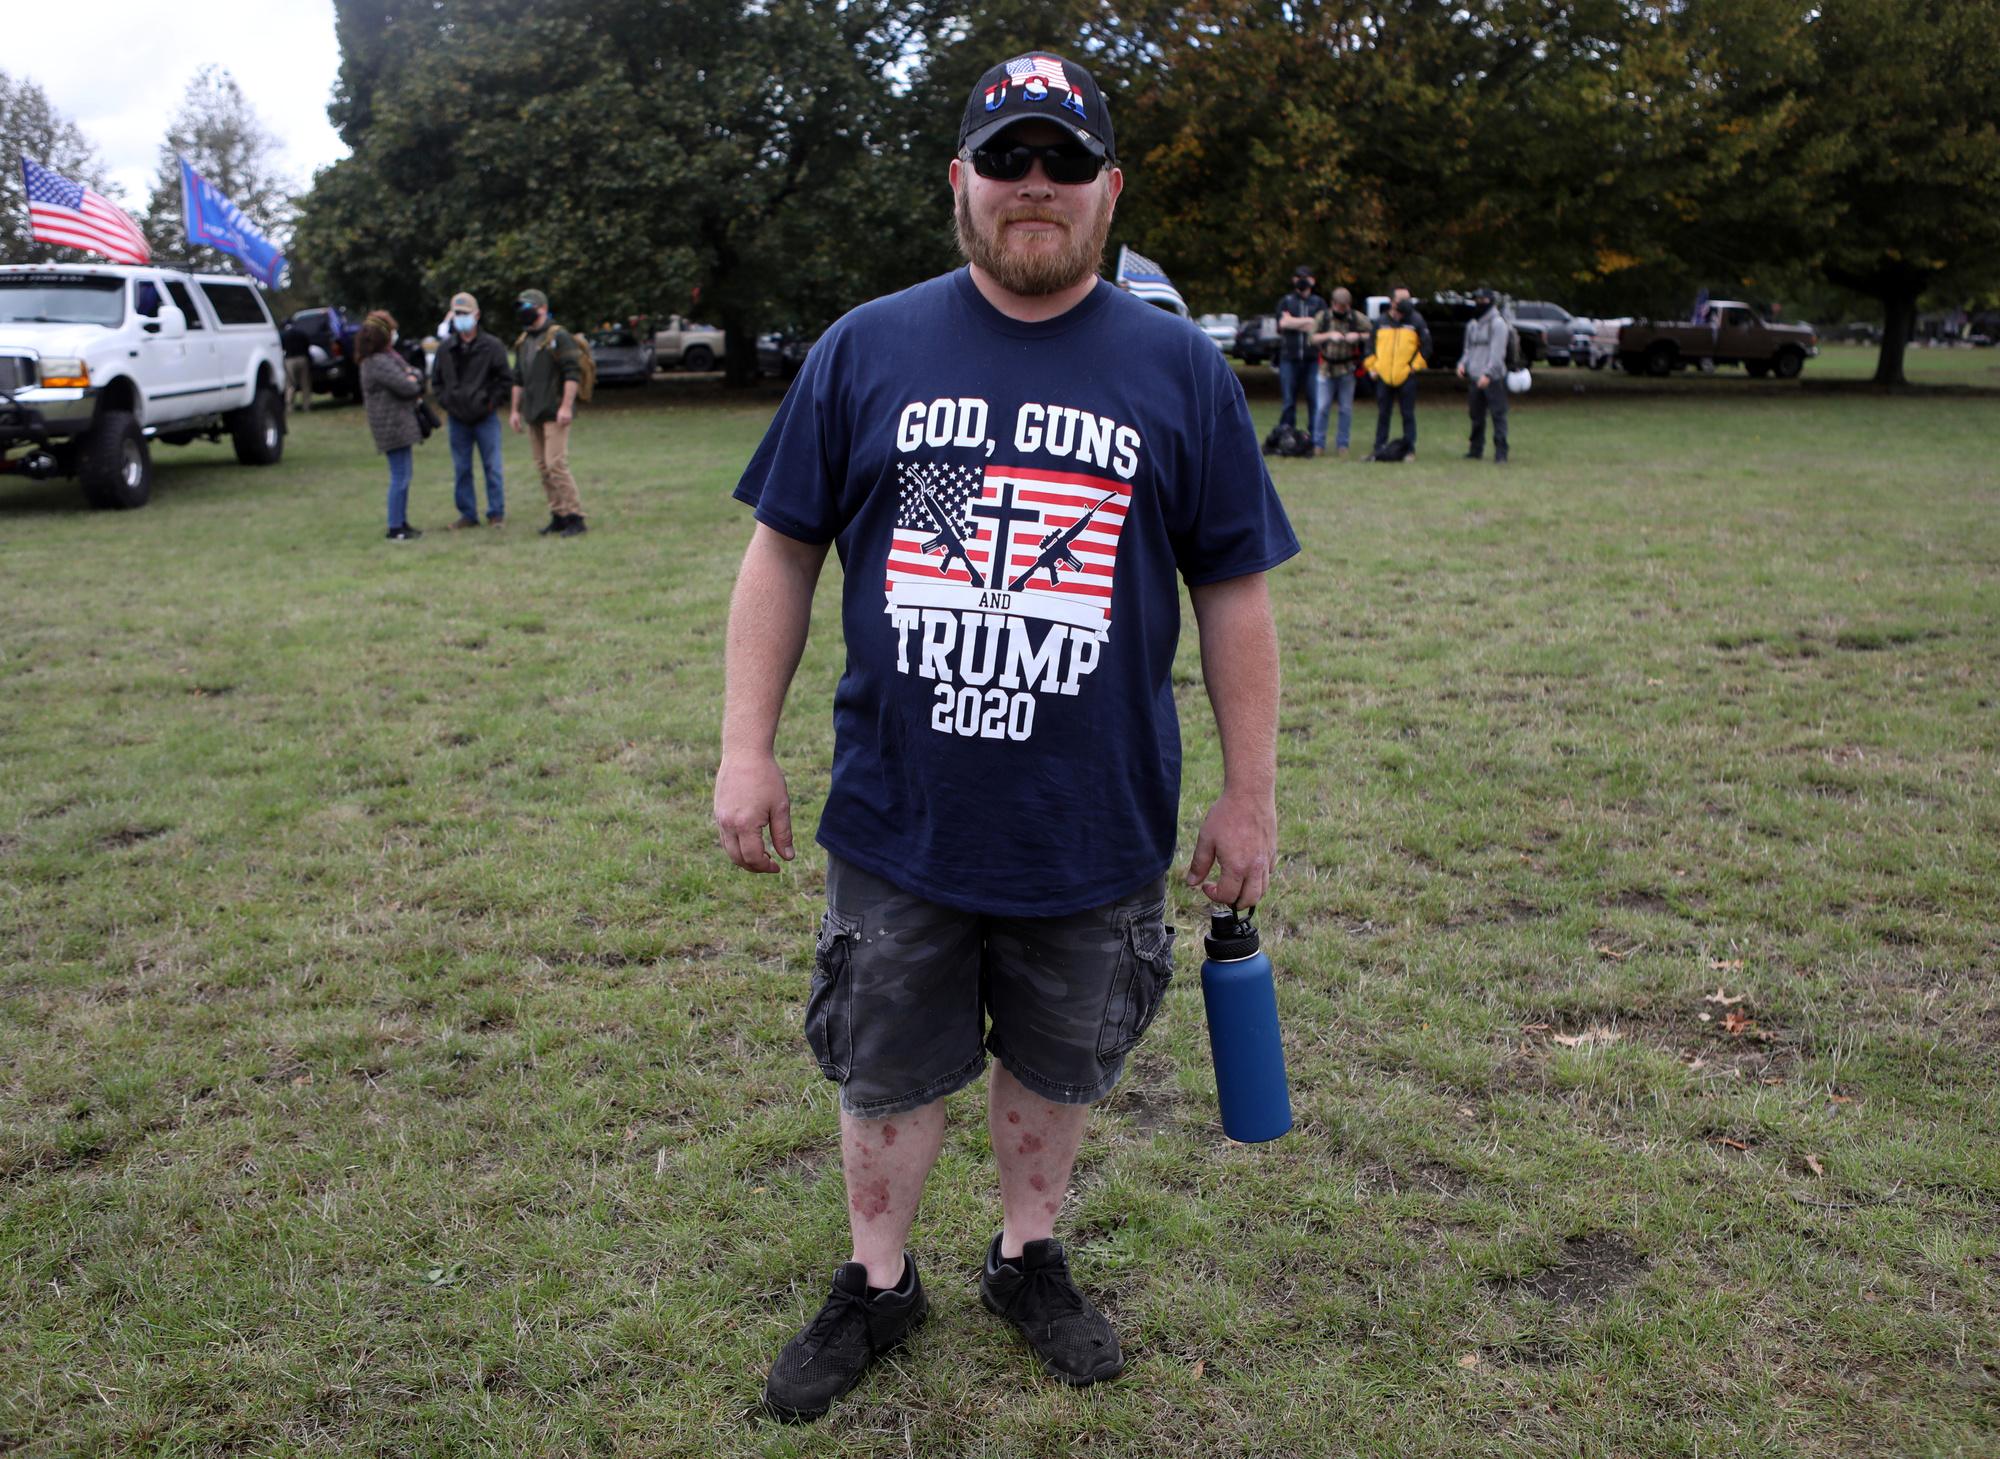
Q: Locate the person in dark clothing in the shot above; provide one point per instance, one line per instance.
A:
(391, 389)
(473, 381)
(548, 378)
(298, 367)
(1298, 360)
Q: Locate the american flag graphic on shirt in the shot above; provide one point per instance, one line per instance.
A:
(1049, 539)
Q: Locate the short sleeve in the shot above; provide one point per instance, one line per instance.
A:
(1234, 525)
(796, 481)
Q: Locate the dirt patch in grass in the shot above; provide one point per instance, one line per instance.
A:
(125, 836)
(1590, 1269)
(1639, 901)
(1151, 1109)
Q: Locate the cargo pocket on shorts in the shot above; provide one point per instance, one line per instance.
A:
(830, 1001)
(1145, 967)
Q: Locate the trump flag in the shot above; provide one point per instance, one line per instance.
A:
(215, 222)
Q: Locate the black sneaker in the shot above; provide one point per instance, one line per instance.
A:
(573, 527)
(404, 533)
(1035, 1293)
(1476, 455)
(556, 521)
(851, 1331)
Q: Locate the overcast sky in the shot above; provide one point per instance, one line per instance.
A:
(124, 88)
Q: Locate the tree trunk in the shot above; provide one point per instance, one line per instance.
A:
(740, 351)
(1899, 320)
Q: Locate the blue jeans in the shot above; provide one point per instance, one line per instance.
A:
(402, 465)
(487, 436)
(1293, 378)
(1387, 395)
(1326, 388)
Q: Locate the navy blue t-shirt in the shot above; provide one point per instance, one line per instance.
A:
(1011, 503)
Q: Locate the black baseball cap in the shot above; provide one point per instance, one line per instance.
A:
(1038, 85)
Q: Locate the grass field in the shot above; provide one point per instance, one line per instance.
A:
(390, 1065)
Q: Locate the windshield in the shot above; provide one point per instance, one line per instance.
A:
(61, 299)
(612, 339)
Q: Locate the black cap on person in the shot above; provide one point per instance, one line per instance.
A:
(1038, 85)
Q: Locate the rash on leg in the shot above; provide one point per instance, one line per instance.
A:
(886, 1163)
(1034, 1145)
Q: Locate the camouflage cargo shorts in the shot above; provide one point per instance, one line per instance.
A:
(908, 996)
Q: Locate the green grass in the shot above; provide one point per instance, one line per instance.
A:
(389, 1063)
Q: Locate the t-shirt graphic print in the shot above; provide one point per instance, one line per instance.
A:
(981, 554)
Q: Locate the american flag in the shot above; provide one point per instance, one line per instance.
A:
(1017, 511)
(65, 212)
(1047, 68)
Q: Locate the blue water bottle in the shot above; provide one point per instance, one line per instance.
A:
(1242, 1001)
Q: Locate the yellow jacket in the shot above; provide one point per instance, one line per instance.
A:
(1397, 354)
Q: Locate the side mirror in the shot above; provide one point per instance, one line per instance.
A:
(171, 324)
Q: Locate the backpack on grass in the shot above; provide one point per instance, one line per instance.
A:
(1392, 451)
(1287, 441)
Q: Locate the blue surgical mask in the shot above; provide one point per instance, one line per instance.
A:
(463, 323)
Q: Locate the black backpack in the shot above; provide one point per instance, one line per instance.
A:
(1516, 360)
(1287, 441)
(1392, 451)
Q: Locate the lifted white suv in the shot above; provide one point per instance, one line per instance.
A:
(97, 361)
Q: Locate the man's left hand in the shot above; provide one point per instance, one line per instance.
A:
(1239, 843)
(1484, 381)
(564, 414)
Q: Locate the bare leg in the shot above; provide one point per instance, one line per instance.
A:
(1034, 1144)
(886, 1162)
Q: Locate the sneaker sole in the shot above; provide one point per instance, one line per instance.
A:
(787, 1415)
(1072, 1379)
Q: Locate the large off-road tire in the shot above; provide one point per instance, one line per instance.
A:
(1756, 369)
(698, 357)
(1788, 364)
(258, 430)
(1661, 359)
(113, 463)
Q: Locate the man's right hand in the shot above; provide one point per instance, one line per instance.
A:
(515, 421)
(750, 794)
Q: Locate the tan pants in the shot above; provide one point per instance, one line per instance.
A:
(551, 446)
(299, 382)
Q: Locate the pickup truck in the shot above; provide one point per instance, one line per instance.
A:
(1735, 336)
(687, 345)
(98, 361)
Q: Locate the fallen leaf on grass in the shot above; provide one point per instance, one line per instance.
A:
(1470, 1360)
(1593, 1035)
(1536, 1027)
(302, 1081)
(1615, 954)
(1706, 1017)
(1732, 1144)
(1736, 1023)
(1812, 1164)
(1722, 997)
(631, 1133)
(1725, 965)
(1773, 1081)
(1200, 1367)
(1842, 1098)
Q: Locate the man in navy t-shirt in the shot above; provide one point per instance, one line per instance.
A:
(1017, 464)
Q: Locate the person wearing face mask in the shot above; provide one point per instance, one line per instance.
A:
(473, 381)
(1483, 368)
(548, 374)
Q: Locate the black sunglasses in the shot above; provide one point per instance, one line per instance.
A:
(1068, 163)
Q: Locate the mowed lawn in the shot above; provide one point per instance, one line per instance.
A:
(390, 1064)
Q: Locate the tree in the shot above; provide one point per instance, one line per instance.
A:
(31, 127)
(218, 132)
(621, 155)
(1907, 148)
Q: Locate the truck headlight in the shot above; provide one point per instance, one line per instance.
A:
(65, 372)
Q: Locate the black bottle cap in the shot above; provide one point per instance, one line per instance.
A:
(1232, 935)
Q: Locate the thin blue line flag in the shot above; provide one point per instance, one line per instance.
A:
(215, 222)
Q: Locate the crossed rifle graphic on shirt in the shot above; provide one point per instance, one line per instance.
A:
(1056, 551)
